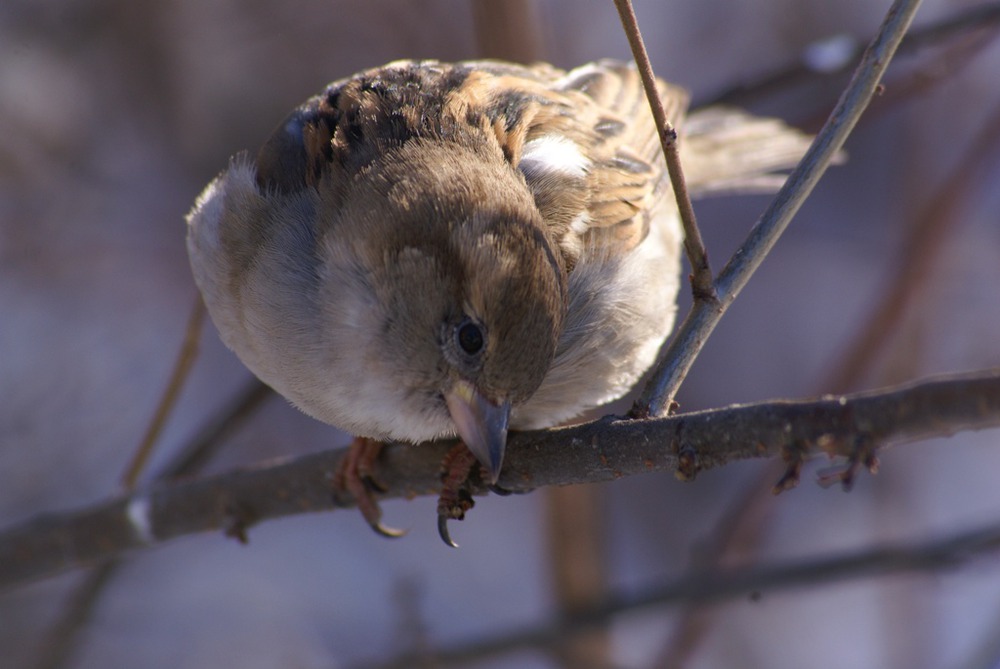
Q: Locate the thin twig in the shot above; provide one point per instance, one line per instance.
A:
(603, 450)
(182, 368)
(704, 316)
(927, 556)
(701, 273)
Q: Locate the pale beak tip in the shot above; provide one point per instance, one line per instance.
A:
(494, 470)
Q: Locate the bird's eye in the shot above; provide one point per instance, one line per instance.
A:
(470, 337)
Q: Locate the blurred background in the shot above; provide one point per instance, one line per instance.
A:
(115, 114)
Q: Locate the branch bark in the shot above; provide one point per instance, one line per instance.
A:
(851, 426)
(694, 246)
(705, 315)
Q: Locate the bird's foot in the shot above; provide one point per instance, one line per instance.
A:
(356, 475)
(457, 468)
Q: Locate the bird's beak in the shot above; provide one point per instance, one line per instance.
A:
(481, 424)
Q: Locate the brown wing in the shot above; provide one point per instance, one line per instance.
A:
(628, 174)
(602, 108)
(584, 141)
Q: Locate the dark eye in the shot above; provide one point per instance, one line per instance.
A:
(470, 337)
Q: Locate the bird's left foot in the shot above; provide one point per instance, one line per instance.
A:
(356, 475)
(457, 468)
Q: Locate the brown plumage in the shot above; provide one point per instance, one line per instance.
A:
(430, 249)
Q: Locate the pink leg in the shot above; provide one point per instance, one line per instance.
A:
(356, 475)
(455, 500)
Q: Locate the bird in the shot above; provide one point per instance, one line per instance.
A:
(430, 250)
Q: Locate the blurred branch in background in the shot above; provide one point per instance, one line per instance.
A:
(835, 57)
(928, 238)
(58, 644)
(576, 535)
(509, 30)
(753, 583)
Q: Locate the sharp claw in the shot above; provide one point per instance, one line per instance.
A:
(452, 509)
(443, 531)
(356, 477)
(497, 490)
(386, 531)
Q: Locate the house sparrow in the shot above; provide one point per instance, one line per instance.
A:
(430, 250)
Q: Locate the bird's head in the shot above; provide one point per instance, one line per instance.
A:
(468, 292)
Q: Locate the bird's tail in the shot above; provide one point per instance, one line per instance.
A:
(727, 151)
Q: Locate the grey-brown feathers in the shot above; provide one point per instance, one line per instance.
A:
(427, 238)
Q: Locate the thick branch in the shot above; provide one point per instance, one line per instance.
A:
(599, 451)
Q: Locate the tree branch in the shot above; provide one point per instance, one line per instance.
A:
(851, 426)
(705, 315)
(701, 273)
